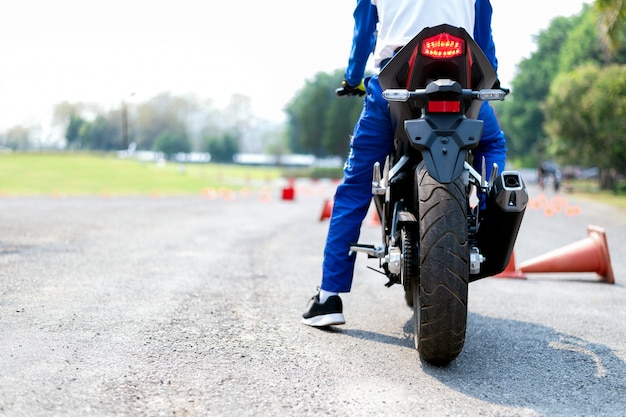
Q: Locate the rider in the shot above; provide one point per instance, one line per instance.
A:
(398, 22)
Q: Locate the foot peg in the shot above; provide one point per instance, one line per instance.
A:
(371, 250)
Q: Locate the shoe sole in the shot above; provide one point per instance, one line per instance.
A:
(325, 320)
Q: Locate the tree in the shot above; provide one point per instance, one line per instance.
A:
(582, 44)
(17, 138)
(318, 121)
(71, 117)
(222, 148)
(171, 143)
(585, 112)
(163, 113)
(336, 135)
(565, 45)
(612, 15)
(167, 118)
(72, 133)
(239, 119)
(568, 121)
(607, 101)
(521, 114)
(101, 134)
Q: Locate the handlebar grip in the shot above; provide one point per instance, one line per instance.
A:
(341, 92)
(345, 90)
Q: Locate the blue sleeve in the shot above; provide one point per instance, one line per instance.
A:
(482, 31)
(363, 40)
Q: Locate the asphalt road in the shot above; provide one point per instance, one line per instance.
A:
(170, 306)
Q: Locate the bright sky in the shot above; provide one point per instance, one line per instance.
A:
(104, 51)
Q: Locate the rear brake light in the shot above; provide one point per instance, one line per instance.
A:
(444, 106)
(442, 46)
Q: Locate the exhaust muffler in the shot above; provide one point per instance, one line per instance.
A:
(506, 204)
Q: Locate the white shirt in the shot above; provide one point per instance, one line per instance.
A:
(401, 20)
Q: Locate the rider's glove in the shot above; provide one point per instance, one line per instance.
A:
(349, 90)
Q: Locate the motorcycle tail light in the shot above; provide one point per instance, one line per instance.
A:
(444, 106)
(442, 46)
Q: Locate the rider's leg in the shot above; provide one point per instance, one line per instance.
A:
(372, 142)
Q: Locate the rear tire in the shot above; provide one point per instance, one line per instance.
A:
(440, 293)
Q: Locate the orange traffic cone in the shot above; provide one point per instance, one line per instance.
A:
(587, 255)
(327, 209)
(289, 192)
(375, 220)
(511, 271)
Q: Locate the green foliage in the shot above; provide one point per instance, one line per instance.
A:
(163, 123)
(17, 138)
(170, 143)
(222, 148)
(569, 53)
(319, 122)
(582, 43)
(72, 133)
(586, 110)
(101, 134)
(341, 115)
(611, 19)
(163, 113)
(521, 114)
(569, 122)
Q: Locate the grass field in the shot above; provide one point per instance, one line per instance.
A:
(605, 197)
(66, 173)
(105, 174)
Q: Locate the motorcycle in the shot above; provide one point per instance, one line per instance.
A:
(444, 224)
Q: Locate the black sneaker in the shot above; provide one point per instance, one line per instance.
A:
(326, 314)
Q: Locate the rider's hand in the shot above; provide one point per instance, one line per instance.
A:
(348, 90)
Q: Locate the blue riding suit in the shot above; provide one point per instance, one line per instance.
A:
(372, 141)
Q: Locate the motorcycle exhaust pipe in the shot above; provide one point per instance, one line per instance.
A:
(509, 193)
(506, 204)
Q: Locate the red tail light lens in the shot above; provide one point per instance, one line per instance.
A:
(444, 106)
(442, 46)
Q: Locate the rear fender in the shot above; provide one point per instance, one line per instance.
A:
(444, 142)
